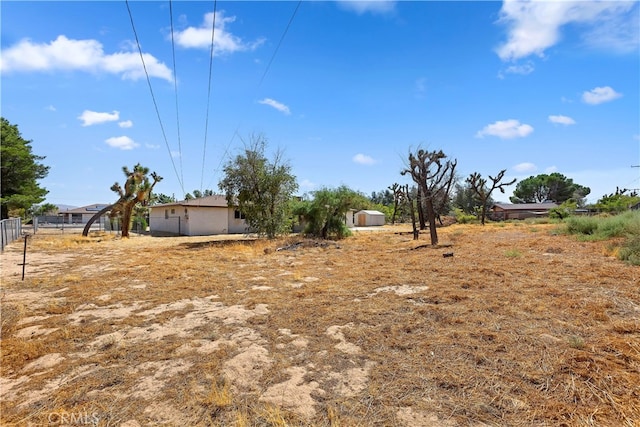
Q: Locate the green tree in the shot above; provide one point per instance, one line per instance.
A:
(483, 192)
(434, 176)
(617, 202)
(43, 209)
(554, 187)
(160, 199)
(20, 172)
(261, 188)
(464, 199)
(324, 215)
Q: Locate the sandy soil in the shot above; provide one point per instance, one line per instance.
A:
(520, 327)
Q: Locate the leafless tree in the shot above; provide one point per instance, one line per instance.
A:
(434, 176)
(479, 187)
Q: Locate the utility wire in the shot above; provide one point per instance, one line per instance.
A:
(206, 122)
(155, 104)
(175, 86)
(266, 70)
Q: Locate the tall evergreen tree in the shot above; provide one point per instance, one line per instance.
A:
(21, 170)
(554, 187)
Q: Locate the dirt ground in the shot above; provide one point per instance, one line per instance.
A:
(502, 325)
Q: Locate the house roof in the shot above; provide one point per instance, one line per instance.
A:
(525, 206)
(371, 212)
(215, 201)
(89, 209)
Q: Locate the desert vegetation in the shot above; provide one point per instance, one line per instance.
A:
(524, 325)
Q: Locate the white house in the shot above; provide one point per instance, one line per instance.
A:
(80, 215)
(366, 218)
(197, 217)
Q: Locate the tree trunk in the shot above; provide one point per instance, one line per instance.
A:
(416, 232)
(126, 217)
(395, 209)
(421, 210)
(431, 217)
(104, 210)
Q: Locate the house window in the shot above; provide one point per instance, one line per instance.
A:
(166, 214)
(238, 215)
(173, 211)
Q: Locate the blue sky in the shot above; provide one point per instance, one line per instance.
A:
(346, 90)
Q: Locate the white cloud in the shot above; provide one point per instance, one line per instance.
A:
(223, 40)
(79, 55)
(551, 169)
(534, 26)
(363, 6)
(506, 129)
(152, 146)
(522, 69)
(90, 118)
(599, 95)
(275, 104)
(51, 108)
(562, 120)
(121, 142)
(525, 167)
(125, 124)
(175, 154)
(363, 159)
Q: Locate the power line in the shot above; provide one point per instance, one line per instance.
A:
(267, 68)
(155, 104)
(206, 122)
(175, 86)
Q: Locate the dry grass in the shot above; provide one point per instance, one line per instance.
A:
(520, 327)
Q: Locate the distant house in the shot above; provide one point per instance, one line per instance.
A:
(80, 215)
(504, 211)
(368, 218)
(203, 216)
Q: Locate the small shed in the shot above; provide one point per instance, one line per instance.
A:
(203, 216)
(368, 218)
(505, 211)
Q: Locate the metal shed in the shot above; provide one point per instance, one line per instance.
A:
(368, 218)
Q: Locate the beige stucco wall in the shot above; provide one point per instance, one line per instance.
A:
(236, 225)
(195, 221)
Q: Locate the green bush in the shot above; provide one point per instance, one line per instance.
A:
(625, 225)
(630, 250)
(581, 225)
(463, 218)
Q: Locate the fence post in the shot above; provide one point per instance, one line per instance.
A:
(24, 255)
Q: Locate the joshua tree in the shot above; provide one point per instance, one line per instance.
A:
(434, 177)
(137, 190)
(479, 186)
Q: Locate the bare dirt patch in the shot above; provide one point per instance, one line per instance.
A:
(519, 327)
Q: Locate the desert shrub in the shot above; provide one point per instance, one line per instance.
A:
(462, 217)
(630, 250)
(581, 225)
(625, 226)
